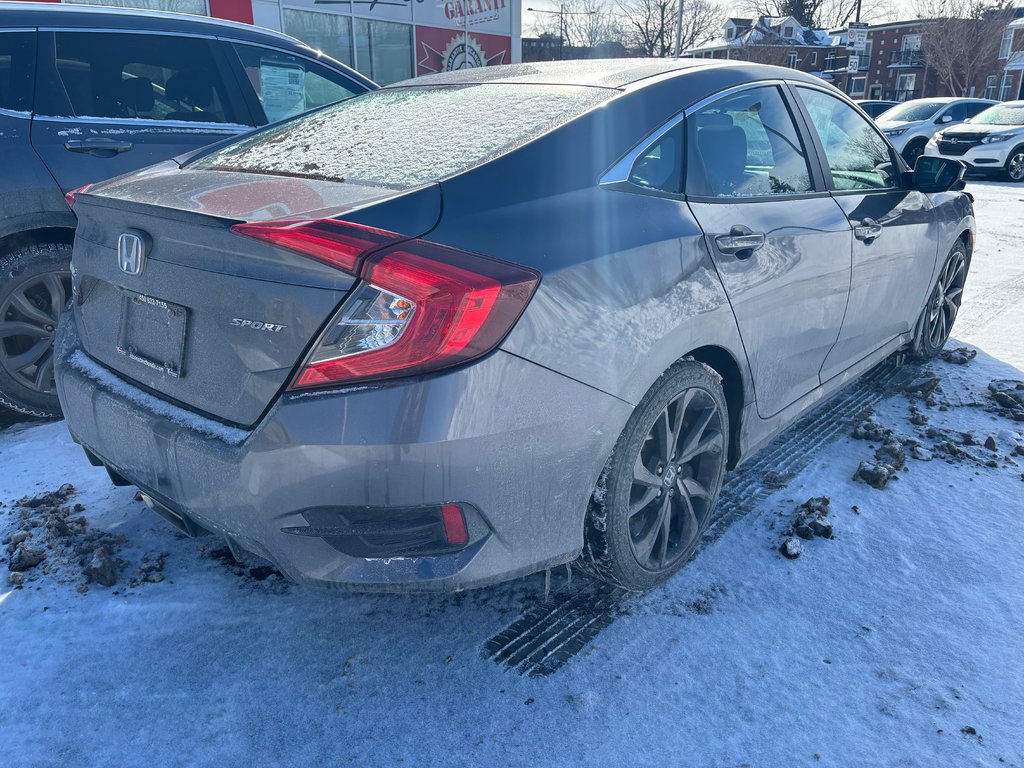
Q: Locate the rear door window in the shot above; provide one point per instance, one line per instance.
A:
(286, 85)
(746, 145)
(17, 60)
(118, 76)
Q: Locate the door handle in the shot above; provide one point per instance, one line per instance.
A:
(98, 146)
(741, 242)
(868, 230)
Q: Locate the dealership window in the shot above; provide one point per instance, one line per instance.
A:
(1004, 90)
(287, 85)
(327, 32)
(384, 50)
(1006, 44)
(197, 7)
(857, 85)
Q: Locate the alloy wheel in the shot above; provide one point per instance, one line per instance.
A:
(1015, 167)
(945, 301)
(674, 479)
(28, 322)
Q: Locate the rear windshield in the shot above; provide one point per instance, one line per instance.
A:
(406, 137)
(1011, 113)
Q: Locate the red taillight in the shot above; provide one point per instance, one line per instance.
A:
(70, 196)
(337, 243)
(420, 306)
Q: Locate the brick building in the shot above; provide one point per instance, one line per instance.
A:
(892, 66)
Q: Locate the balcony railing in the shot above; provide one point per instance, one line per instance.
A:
(906, 59)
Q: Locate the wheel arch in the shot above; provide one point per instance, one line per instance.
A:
(722, 362)
(37, 236)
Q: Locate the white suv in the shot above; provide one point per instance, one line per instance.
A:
(910, 125)
(993, 142)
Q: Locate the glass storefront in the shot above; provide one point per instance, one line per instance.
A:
(384, 50)
(327, 32)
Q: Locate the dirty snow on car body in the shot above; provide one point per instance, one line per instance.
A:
(894, 638)
(407, 137)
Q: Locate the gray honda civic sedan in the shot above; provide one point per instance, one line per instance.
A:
(479, 324)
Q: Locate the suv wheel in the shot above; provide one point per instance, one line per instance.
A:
(1015, 165)
(936, 322)
(662, 482)
(35, 283)
(913, 151)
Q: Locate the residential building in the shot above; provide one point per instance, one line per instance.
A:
(772, 40)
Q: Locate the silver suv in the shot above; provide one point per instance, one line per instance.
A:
(910, 125)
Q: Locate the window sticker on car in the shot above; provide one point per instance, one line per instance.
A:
(282, 89)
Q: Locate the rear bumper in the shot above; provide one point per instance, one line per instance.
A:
(522, 445)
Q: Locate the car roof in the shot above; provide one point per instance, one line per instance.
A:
(44, 14)
(600, 73)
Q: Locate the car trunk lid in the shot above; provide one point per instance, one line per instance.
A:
(212, 320)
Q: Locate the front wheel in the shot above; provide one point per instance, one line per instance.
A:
(661, 484)
(936, 321)
(35, 283)
(1015, 166)
(913, 151)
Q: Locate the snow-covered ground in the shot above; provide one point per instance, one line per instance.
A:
(900, 641)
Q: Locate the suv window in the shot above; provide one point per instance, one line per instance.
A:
(16, 64)
(745, 145)
(977, 107)
(286, 85)
(857, 155)
(156, 77)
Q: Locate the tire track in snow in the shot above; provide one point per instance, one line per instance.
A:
(548, 635)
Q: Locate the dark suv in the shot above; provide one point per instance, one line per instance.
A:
(87, 94)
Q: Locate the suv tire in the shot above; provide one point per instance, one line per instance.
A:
(35, 284)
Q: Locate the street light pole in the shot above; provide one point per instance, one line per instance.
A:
(561, 13)
(679, 29)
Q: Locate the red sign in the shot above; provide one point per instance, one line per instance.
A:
(445, 50)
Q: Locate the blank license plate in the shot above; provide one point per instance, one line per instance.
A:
(152, 332)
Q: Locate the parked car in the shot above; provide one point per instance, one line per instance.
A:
(875, 107)
(620, 297)
(992, 143)
(87, 94)
(910, 125)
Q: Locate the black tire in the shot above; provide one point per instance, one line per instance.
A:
(35, 283)
(912, 151)
(1014, 168)
(687, 400)
(943, 305)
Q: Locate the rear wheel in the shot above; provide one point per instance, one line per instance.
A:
(936, 321)
(1015, 166)
(662, 482)
(35, 283)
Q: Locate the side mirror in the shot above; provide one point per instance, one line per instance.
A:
(938, 174)
(946, 119)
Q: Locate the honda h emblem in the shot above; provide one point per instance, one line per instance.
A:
(131, 254)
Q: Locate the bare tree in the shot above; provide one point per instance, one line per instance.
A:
(650, 25)
(817, 14)
(960, 38)
(584, 23)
